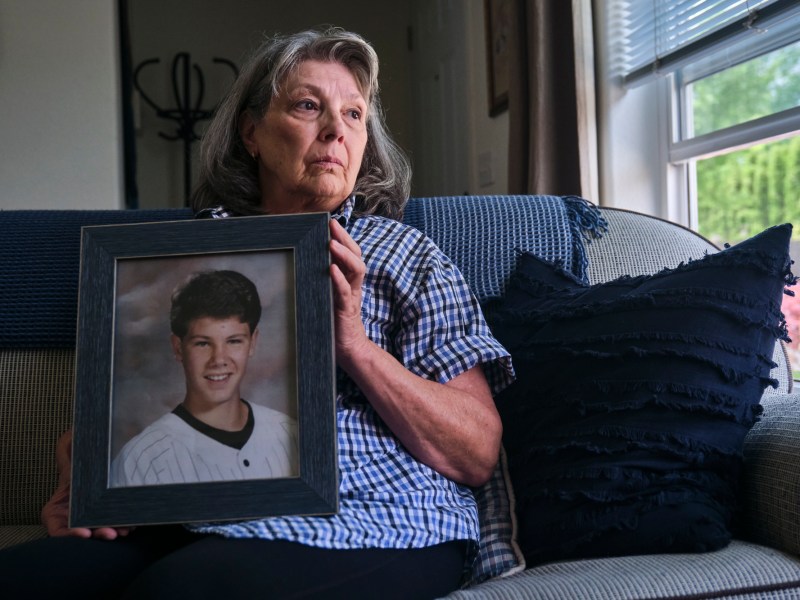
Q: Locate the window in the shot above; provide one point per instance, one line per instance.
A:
(734, 71)
(740, 142)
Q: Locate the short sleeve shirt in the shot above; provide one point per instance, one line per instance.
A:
(416, 306)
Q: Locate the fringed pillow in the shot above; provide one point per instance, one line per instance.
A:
(625, 428)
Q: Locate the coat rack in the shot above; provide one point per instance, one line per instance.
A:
(187, 112)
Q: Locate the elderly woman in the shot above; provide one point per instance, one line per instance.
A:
(302, 130)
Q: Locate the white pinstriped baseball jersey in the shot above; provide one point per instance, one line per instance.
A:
(169, 450)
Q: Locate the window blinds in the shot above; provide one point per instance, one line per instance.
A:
(659, 36)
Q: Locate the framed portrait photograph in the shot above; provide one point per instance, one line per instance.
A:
(498, 23)
(205, 374)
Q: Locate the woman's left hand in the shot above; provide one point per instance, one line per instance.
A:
(55, 514)
(452, 427)
(347, 273)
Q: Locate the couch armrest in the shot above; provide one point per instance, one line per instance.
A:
(771, 486)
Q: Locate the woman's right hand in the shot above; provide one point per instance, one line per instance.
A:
(55, 514)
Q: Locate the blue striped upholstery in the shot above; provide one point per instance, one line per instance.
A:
(483, 234)
(40, 252)
(38, 298)
(38, 282)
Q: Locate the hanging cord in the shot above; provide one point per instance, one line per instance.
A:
(752, 17)
(656, 60)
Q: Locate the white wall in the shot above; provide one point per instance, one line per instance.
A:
(458, 148)
(631, 168)
(59, 98)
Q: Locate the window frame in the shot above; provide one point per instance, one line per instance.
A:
(683, 150)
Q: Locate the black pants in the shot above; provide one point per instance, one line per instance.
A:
(169, 562)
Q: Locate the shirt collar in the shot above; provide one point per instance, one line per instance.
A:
(345, 211)
(342, 214)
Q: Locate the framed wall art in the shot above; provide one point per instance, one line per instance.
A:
(498, 24)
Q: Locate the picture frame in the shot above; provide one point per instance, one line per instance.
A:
(121, 292)
(498, 19)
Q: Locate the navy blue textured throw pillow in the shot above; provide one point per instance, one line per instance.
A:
(625, 427)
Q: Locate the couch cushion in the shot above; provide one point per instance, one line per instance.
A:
(625, 427)
(771, 484)
(36, 392)
(499, 554)
(741, 570)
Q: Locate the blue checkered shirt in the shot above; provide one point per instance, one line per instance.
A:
(416, 306)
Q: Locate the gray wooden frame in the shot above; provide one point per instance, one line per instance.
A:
(315, 491)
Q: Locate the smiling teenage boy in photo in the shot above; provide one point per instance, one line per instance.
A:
(214, 434)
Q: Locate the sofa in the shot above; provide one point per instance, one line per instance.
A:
(485, 236)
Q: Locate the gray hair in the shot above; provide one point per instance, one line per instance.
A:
(228, 174)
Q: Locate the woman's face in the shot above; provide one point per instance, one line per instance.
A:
(311, 140)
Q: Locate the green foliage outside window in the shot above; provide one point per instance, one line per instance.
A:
(744, 192)
(756, 88)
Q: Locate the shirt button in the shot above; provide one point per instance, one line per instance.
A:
(246, 463)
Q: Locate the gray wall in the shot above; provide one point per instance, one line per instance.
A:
(59, 99)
